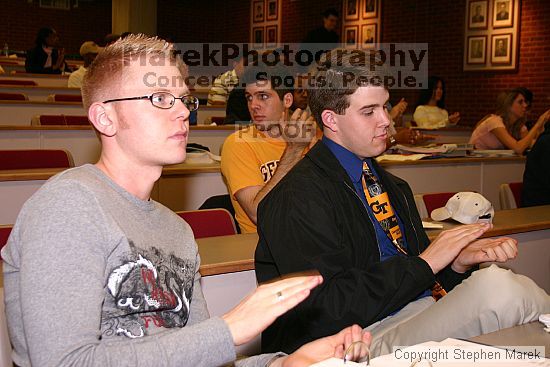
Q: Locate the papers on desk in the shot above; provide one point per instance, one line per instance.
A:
(452, 352)
(400, 157)
(494, 153)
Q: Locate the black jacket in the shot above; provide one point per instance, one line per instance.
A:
(314, 219)
(536, 178)
(36, 58)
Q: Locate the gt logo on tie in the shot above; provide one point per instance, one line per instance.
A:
(380, 205)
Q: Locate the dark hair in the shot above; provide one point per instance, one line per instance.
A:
(427, 94)
(281, 78)
(339, 77)
(330, 11)
(504, 103)
(41, 36)
(526, 93)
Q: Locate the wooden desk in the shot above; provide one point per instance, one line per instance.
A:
(45, 80)
(38, 93)
(20, 113)
(531, 334)
(530, 226)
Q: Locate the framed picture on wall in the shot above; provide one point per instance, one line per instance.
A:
(369, 8)
(258, 11)
(258, 37)
(501, 48)
(351, 36)
(272, 10)
(271, 36)
(351, 9)
(477, 14)
(503, 13)
(477, 46)
(368, 35)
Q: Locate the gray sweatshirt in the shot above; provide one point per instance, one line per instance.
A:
(94, 276)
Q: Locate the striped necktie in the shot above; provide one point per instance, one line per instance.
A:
(379, 202)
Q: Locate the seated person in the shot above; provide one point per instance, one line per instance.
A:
(46, 57)
(536, 178)
(340, 213)
(98, 274)
(430, 110)
(224, 84)
(403, 135)
(299, 93)
(254, 159)
(505, 129)
(236, 110)
(88, 51)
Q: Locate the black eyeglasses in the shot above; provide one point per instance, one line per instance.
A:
(164, 100)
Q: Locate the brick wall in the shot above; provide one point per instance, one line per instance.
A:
(441, 24)
(438, 22)
(204, 21)
(20, 21)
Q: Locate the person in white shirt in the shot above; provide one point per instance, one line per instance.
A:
(88, 51)
(430, 112)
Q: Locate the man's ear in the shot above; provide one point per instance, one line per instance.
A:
(329, 120)
(101, 117)
(288, 99)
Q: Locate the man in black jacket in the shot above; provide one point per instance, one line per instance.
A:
(341, 214)
(536, 178)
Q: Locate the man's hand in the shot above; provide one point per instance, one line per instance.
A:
(60, 59)
(269, 301)
(398, 109)
(298, 130)
(487, 249)
(330, 346)
(454, 118)
(446, 247)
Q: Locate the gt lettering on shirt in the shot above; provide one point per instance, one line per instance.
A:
(268, 169)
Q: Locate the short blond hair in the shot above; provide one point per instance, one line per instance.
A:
(105, 72)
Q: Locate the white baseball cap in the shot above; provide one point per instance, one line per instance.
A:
(466, 208)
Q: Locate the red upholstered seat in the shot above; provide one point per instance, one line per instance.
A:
(209, 222)
(66, 97)
(516, 188)
(436, 200)
(38, 158)
(13, 97)
(17, 82)
(51, 120)
(4, 234)
(76, 120)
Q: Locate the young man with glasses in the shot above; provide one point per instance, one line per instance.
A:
(97, 273)
(339, 213)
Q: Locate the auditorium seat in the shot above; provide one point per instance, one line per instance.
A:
(209, 222)
(510, 195)
(59, 120)
(35, 158)
(64, 98)
(17, 82)
(219, 120)
(13, 97)
(4, 234)
(426, 203)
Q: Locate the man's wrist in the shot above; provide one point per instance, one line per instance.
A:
(276, 361)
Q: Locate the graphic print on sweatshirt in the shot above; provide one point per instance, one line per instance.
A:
(151, 289)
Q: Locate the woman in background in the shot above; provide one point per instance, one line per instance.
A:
(505, 129)
(46, 57)
(430, 110)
